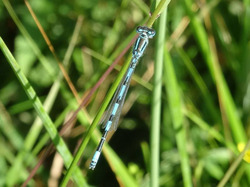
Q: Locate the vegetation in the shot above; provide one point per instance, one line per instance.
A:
(185, 121)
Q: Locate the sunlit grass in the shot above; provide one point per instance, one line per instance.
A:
(184, 127)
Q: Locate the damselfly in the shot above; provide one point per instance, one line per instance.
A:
(115, 106)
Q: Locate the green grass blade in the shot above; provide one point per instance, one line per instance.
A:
(162, 5)
(36, 127)
(156, 102)
(175, 104)
(57, 140)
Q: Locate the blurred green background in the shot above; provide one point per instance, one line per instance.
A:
(213, 85)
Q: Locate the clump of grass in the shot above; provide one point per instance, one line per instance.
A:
(191, 127)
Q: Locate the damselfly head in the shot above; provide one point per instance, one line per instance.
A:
(148, 31)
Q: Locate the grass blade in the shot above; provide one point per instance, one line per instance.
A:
(156, 102)
(57, 140)
(175, 104)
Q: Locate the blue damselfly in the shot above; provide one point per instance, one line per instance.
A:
(114, 110)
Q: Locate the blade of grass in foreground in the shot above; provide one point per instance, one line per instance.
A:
(52, 131)
(156, 102)
(36, 127)
(175, 105)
